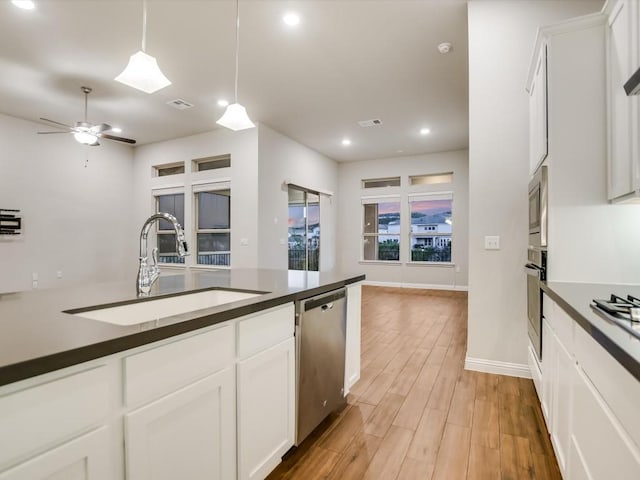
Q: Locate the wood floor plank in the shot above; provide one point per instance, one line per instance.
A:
(440, 398)
(414, 470)
(484, 463)
(353, 422)
(406, 378)
(516, 460)
(356, 458)
(383, 415)
(316, 464)
(409, 414)
(453, 455)
(485, 427)
(387, 461)
(426, 440)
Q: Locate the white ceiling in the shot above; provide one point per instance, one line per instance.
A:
(348, 60)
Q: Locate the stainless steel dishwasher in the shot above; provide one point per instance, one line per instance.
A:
(320, 352)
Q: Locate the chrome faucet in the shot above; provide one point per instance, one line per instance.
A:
(149, 274)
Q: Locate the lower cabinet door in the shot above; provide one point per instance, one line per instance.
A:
(600, 448)
(352, 353)
(84, 458)
(266, 409)
(562, 398)
(188, 434)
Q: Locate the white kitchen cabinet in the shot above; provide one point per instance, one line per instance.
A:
(83, 458)
(561, 404)
(189, 433)
(547, 367)
(354, 326)
(266, 409)
(538, 146)
(622, 112)
(600, 447)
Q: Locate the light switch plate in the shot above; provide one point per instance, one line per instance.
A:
(492, 242)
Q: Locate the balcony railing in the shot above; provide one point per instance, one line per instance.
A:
(297, 259)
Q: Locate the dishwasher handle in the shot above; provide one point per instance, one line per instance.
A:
(321, 301)
(327, 306)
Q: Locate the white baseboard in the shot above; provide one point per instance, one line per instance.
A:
(497, 367)
(426, 286)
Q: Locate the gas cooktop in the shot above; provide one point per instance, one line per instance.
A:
(623, 311)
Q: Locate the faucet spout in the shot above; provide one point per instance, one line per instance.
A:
(148, 274)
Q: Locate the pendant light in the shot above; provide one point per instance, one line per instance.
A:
(235, 116)
(142, 71)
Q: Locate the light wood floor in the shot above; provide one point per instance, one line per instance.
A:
(416, 413)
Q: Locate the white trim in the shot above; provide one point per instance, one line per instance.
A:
(212, 180)
(288, 181)
(372, 199)
(380, 262)
(497, 367)
(424, 286)
(430, 264)
(172, 189)
(429, 196)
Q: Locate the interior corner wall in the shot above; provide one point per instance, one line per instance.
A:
(350, 229)
(285, 160)
(501, 36)
(76, 220)
(243, 173)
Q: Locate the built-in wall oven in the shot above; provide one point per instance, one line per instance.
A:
(536, 267)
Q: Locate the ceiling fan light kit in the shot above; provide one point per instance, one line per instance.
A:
(142, 72)
(235, 117)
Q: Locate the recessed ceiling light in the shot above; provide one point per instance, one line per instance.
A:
(425, 131)
(291, 19)
(116, 129)
(223, 103)
(346, 142)
(24, 4)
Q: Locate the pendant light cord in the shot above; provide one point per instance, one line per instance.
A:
(144, 26)
(237, 45)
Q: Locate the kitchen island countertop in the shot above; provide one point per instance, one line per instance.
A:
(576, 299)
(37, 336)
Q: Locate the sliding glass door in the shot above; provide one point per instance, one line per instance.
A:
(304, 229)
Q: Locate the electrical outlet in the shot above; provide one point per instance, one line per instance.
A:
(244, 242)
(59, 274)
(492, 242)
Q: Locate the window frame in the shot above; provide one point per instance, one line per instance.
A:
(377, 200)
(210, 188)
(430, 196)
(157, 193)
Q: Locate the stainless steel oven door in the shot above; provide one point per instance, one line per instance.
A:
(538, 208)
(534, 307)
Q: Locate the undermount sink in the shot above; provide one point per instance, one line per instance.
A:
(151, 310)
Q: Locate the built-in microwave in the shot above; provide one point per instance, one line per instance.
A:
(538, 208)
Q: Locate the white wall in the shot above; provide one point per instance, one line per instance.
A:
(281, 158)
(243, 173)
(76, 220)
(501, 36)
(350, 217)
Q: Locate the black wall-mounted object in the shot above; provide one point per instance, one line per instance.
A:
(632, 87)
(10, 222)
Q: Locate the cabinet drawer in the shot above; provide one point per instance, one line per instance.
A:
(263, 330)
(44, 415)
(619, 389)
(156, 372)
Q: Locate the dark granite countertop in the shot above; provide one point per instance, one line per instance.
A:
(576, 300)
(37, 337)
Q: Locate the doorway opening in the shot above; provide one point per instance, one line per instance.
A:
(304, 229)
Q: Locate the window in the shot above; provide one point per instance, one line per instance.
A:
(381, 229)
(431, 227)
(213, 227)
(212, 163)
(381, 182)
(169, 169)
(166, 237)
(431, 178)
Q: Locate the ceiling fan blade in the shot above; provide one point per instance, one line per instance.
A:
(56, 123)
(103, 127)
(49, 133)
(117, 139)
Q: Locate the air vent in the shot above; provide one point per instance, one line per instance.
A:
(374, 122)
(180, 104)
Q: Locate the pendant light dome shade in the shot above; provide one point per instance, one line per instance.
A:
(235, 118)
(142, 72)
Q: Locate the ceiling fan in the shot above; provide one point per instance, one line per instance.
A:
(84, 132)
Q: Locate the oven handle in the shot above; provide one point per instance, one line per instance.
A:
(533, 270)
